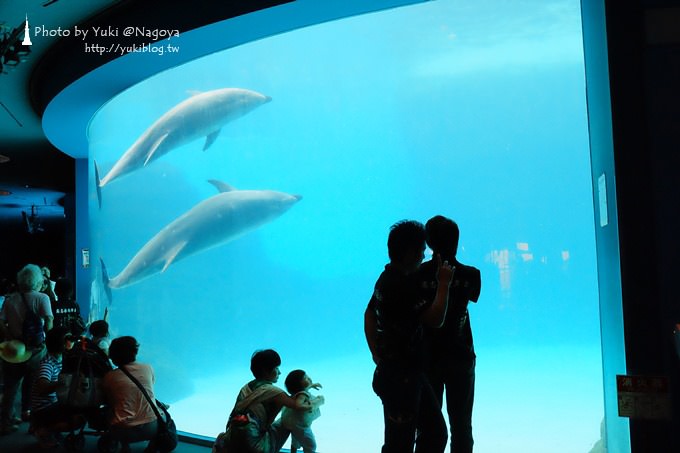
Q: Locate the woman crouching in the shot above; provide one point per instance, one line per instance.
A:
(251, 427)
(133, 418)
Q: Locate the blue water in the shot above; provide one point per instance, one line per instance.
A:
(473, 111)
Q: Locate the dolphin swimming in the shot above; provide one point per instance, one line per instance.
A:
(202, 115)
(214, 221)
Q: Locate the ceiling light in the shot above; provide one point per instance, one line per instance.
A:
(3, 159)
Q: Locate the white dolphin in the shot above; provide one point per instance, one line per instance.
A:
(215, 221)
(202, 115)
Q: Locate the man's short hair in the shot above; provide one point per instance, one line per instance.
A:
(442, 235)
(405, 236)
(263, 362)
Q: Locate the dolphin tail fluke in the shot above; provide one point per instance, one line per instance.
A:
(105, 280)
(97, 183)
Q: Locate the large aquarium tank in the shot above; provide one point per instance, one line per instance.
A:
(261, 220)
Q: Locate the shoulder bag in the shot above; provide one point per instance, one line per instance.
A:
(32, 330)
(166, 437)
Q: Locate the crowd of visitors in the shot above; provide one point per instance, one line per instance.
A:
(40, 328)
(416, 325)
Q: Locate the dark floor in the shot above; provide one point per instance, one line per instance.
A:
(22, 442)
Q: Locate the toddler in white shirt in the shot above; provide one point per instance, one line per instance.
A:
(299, 422)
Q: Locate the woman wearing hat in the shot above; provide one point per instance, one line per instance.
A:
(19, 363)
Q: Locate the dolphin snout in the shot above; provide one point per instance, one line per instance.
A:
(297, 197)
(267, 99)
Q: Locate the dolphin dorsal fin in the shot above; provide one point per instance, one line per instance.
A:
(172, 254)
(154, 148)
(221, 186)
(210, 139)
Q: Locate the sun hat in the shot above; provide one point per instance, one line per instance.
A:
(14, 351)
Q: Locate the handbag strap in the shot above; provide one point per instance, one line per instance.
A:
(146, 395)
(254, 397)
(28, 307)
(76, 388)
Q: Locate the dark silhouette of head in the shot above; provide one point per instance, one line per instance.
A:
(63, 289)
(406, 236)
(6, 286)
(123, 350)
(294, 382)
(442, 236)
(263, 362)
(55, 340)
(99, 328)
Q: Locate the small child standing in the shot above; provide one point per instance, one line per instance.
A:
(299, 422)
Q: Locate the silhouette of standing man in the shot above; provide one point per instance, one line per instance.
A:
(452, 358)
(393, 324)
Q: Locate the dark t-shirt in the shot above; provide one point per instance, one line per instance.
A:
(67, 314)
(453, 341)
(398, 304)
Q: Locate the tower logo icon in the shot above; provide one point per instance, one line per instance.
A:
(27, 34)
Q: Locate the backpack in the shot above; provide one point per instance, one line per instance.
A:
(82, 372)
(32, 331)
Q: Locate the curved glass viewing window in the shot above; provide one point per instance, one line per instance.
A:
(472, 110)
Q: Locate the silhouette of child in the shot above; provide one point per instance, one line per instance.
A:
(299, 422)
(100, 335)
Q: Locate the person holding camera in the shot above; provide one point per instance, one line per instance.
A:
(393, 325)
(451, 353)
(48, 285)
